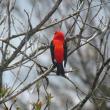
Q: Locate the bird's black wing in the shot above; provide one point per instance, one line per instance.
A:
(65, 53)
(52, 52)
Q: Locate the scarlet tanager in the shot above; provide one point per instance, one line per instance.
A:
(58, 50)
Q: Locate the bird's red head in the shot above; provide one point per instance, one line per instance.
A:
(58, 35)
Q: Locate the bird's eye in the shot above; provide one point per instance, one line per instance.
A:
(56, 32)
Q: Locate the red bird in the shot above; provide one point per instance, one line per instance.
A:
(58, 50)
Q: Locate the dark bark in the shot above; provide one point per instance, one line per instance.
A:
(1, 79)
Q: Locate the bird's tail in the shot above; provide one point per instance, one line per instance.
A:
(60, 69)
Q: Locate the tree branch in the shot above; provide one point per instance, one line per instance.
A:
(32, 32)
(28, 86)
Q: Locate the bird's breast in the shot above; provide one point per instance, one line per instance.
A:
(59, 51)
